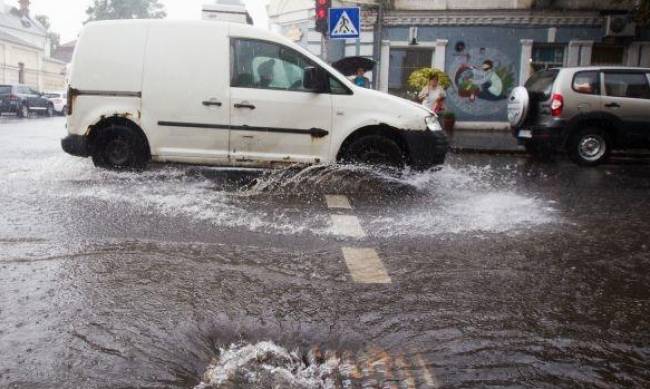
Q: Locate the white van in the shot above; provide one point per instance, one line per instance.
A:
(229, 94)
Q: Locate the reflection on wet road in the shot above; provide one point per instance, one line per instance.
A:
(500, 272)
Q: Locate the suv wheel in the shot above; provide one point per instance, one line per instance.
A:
(375, 150)
(119, 148)
(24, 111)
(589, 147)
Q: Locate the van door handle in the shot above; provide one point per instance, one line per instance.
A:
(612, 105)
(318, 132)
(211, 102)
(249, 106)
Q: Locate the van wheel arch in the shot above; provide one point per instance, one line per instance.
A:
(604, 124)
(382, 130)
(97, 131)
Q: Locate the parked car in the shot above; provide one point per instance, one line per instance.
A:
(586, 111)
(231, 94)
(23, 100)
(59, 100)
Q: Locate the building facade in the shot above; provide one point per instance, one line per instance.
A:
(25, 51)
(487, 47)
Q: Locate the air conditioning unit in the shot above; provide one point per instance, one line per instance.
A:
(619, 25)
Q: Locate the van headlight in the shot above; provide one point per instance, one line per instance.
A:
(432, 123)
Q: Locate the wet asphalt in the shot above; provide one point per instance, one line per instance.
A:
(505, 272)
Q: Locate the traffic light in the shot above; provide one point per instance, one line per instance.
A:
(322, 13)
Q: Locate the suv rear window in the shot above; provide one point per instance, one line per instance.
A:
(587, 82)
(541, 83)
(5, 90)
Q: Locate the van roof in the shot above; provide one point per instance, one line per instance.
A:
(234, 28)
(608, 67)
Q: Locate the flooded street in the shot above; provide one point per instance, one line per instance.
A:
(491, 271)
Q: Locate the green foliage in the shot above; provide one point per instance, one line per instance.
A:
(448, 115)
(125, 9)
(55, 39)
(420, 78)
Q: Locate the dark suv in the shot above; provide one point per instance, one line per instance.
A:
(587, 112)
(22, 100)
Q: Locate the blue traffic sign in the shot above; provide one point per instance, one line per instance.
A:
(344, 23)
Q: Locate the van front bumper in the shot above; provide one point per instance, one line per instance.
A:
(76, 145)
(426, 148)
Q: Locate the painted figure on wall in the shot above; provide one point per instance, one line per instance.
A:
(482, 79)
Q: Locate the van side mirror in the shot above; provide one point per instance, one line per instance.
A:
(314, 79)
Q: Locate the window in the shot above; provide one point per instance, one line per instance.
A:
(632, 85)
(336, 88)
(541, 83)
(547, 56)
(5, 90)
(607, 55)
(264, 65)
(21, 73)
(587, 83)
(402, 63)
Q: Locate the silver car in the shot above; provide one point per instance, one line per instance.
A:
(586, 111)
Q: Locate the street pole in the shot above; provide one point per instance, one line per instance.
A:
(323, 47)
(376, 48)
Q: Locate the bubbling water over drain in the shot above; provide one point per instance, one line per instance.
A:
(267, 365)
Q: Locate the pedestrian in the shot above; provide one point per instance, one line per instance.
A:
(360, 79)
(433, 95)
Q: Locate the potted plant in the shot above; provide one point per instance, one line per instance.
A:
(448, 121)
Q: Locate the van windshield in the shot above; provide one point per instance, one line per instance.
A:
(5, 90)
(541, 83)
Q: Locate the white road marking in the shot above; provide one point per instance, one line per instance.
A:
(337, 201)
(365, 266)
(429, 378)
(347, 225)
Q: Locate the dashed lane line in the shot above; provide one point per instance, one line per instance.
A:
(365, 266)
(347, 225)
(337, 202)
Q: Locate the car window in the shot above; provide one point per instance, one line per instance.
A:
(5, 90)
(33, 91)
(541, 83)
(337, 88)
(625, 84)
(587, 82)
(265, 65)
(23, 90)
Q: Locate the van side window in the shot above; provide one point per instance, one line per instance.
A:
(625, 84)
(264, 65)
(587, 82)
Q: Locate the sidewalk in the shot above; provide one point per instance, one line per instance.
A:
(490, 142)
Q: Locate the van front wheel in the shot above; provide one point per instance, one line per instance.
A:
(375, 150)
(119, 148)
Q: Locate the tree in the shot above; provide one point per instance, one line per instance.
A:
(125, 9)
(55, 39)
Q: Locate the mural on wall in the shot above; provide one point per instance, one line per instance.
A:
(482, 79)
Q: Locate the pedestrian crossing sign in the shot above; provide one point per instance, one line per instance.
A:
(344, 23)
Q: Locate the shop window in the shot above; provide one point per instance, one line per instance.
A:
(607, 55)
(547, 56)
(402, 63)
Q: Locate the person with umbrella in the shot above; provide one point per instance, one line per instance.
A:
(355, 67)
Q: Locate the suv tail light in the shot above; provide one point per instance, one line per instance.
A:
(13, 97)
(557, 104)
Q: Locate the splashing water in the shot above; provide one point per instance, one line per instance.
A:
(267, 365)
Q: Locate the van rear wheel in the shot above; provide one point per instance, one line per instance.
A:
(119, 148)
(375, 150)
